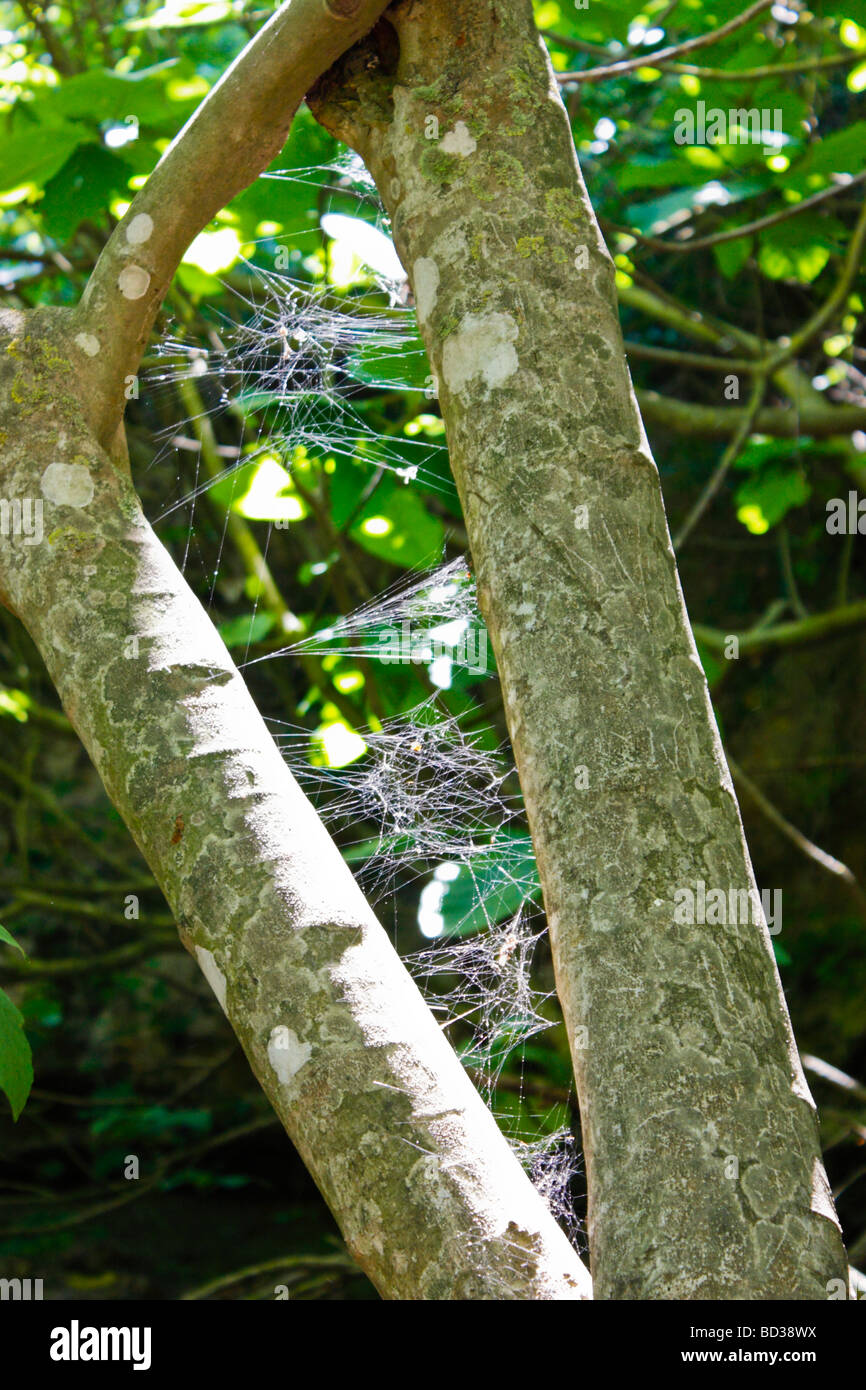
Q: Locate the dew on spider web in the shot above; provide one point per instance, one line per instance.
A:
(289, 365)
(484, 980)
(484, 984)
(553, 1165)
(291, 359)
(348, 175)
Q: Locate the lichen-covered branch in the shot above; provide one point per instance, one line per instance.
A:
(601, 74)
(431, 1200)
(703, 1161)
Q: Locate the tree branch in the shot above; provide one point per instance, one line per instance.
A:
(747, 228)
(652, 60)
(432, 1202)
(798, 634)
(745, 421)
(834, 302)
(806, 846)
(114, 959)
(780, 421)
(848, 59)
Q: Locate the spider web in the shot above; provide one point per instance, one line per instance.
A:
(426, 789)
(426, 799)
(438, 608)
(295, 357)
(292, 365)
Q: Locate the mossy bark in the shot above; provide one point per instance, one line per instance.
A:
(704, 1166)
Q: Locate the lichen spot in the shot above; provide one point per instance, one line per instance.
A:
(483, 345)
(67, 484)
(527, 611)
(212, 973)
(140, 229)
(287, 1054)
(425, 278)
(459, 141)
(88, 343)
(133, 281)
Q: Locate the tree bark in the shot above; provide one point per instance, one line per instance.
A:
(432, 1202)
(704, 1166)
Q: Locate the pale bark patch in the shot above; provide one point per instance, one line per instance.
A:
(459, 141)
(140, 229)
(88, 343)
(425, 279)
(287, 1054)
(482, 346)
(67, 484)
(214, 976)
(133, 281)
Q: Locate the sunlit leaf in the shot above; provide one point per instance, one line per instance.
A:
(16, 1061)
(769, 495)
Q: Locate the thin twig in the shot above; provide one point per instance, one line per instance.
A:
(840, 1079)
(802, 842)
(651, 60)
(728, 457)
(748, 228)
(343, 1264)
(813, 629)
(769, 70)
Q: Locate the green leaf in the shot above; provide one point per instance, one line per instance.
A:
(245, 630)
(755, 453)
(10, 940)
(657, 215)
(16, 1060)
(386, 364)
(198, 283)
(643, 171)
(396, 526)
(765, 498)
(14, 703)
(182, 16)
(598, 23)
(34, 156)
(497, 886)
(101, 95)
(82, 190)
(288, 191)
(800, 248)
(841, 153)
(731, 256)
